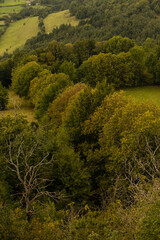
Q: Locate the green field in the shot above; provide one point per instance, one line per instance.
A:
(54, 20)
(18, 105)
(2, 23)
(13, 9)
(11, 2)
(148, 93)
(18, 33)
(11, 6)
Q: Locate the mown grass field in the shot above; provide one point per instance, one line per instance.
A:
(18, 105)
(147, 93)
(12, 9)
(12, 2)
(54, 20)
(17, 34)
(2, 23)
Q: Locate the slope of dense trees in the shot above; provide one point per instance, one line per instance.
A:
(88, 167)
(103, 19)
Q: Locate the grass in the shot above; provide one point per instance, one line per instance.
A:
(54, 20)
(18, 105)
(147, 93)
(12, 2)
(18, 33)
(12, 9)
(2, 15)
(2, 23)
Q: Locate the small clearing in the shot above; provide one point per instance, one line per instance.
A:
(18, 105)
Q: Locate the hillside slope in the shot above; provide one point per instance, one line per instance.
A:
(136, 19)
(103, 19)
(18, 33)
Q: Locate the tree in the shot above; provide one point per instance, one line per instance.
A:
(149, 228)
(59, 105)
(61, 81)
(22, 77)
(118, 44)
(69, 69)
(38, 84)
(28, 163)
(83, 50)
(122, 142)
(121, 70)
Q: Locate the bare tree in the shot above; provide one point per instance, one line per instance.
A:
(143, 166)
(21, 161)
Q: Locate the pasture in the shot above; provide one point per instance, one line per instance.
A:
(18, 33)
(11, 6)
(11, 2)
(2, 23)
(54, 20)
(13, 9)
(147, 93)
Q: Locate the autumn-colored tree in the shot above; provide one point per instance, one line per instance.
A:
(39, 83)
(77, 112)
(59, 82)
(59, 105)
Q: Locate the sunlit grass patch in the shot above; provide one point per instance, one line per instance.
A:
(54, 20)
(18, 33)
(147, 93)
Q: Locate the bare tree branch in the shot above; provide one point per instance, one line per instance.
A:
(20, 162)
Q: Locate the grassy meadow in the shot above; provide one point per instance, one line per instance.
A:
(11, 6)
(17, 34)
(54, 20)
(7, 10)
(17, 105)
(12, 2)
(2, 23)
(147, 93)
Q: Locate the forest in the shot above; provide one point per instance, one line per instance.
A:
(102, 19)
(98, 19)
(88, 166)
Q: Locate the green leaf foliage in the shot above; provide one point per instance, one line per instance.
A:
(58, 106)
(120, 70)
(22, 77)
(60, 82)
